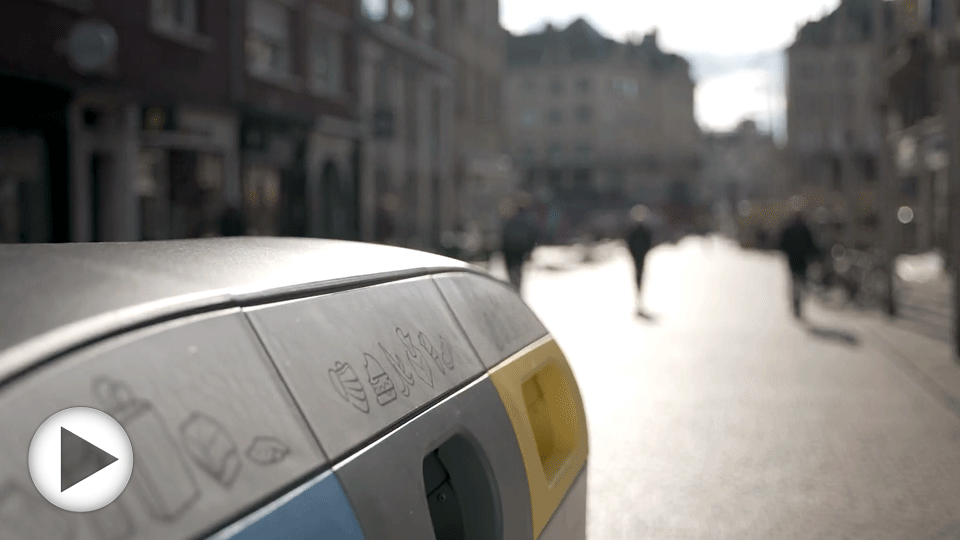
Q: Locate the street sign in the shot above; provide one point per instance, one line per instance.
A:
(91, 45)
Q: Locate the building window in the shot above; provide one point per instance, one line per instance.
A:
(461, 94)
(870, 169)
(555, 154)
(326, 60)
(910, 187)
(436, 124)
(493, 100)
(268, 44)
(555, 116)
(626, 86)
(175, 15)
(468, 93)
(583, 85)
(479, 95)
(381, 84)
(616, 178)
(404, 12)
(846, 67)
(429, 23)
(261, 187)
(411, 95)
(556, 87)
(584, 114)
(79, 5)
(836, 174)
(529, 117)
(375, 10)
(460, 11)
(584, 153)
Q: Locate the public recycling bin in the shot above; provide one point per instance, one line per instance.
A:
(290, 388)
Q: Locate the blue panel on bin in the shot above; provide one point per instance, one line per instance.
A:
(318, 510)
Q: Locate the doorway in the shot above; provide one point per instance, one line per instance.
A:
(101, 185)
(437, 221)
(331, 201)
(293, 216)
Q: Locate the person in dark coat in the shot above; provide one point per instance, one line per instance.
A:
(798, 244)
(519, 239)
(233, 222)
(384, 226)
(639, 242)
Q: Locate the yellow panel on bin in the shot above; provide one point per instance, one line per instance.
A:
(544, 404)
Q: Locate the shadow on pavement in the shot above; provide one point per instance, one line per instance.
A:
(833, 334)
(646, 315)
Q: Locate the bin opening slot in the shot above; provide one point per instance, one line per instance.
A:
(460, 492)
(551, 409)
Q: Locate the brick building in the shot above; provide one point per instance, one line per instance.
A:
(143, 119)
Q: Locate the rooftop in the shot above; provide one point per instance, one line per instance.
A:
(580, 43)
(856, 16)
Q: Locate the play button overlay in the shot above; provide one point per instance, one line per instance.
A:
(81, 459)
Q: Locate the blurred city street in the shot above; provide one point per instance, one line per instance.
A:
(721, 416)
(742, 158)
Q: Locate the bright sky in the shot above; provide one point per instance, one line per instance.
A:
(702, 31)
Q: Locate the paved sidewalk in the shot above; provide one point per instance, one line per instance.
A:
(926, 308)
(716, 416)
(927, 360)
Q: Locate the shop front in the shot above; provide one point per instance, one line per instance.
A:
(34, 163)
(188, 162)
(333, 180)
(274, 176)
(24, 193)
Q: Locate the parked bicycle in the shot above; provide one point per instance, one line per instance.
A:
(860, 278)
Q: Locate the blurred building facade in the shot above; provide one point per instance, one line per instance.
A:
(743, 164)
(131, 120)
(407, 110)
(915, 71)
(833, 121)
(294, 84)
(483, 172)
(593, 122)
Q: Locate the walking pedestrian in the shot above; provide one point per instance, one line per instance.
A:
(519, 239)
(797, 243)
(639, 242)
(384, 226)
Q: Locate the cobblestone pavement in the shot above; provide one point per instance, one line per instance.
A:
(718, 416)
